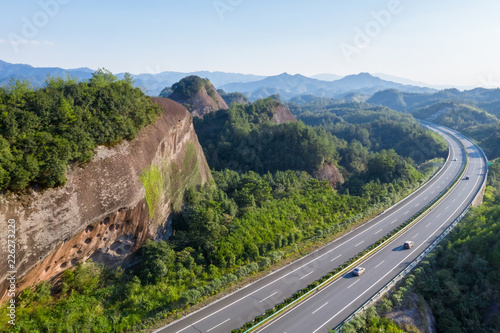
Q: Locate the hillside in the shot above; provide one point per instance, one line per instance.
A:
(108, 207)
(234, 97)
(472, 121)
(408, 102)
(198, 95)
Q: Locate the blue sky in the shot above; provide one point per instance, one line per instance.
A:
(438, 42)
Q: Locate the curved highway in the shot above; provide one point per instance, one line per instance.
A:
(331, 305)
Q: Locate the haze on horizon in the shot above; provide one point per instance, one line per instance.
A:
(446, 42)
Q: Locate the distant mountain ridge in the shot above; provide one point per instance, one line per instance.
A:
(488, 99)
(253, 86)
(153, 83)
(37, 75)
(289, 86)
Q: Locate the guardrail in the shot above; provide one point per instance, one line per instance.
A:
(330, 277)
(417, 260)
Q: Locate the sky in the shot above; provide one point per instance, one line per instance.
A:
(449, 42)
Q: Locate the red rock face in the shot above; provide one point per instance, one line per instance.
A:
(282, 115)
(331, 174)
(202, 103)
(101, 212)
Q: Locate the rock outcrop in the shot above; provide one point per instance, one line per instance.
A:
(106, 210)
(282, 114)
(331, 174)
(198, 95)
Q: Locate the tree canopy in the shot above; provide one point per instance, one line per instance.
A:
(43, 130)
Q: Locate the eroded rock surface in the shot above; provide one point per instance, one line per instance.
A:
(102, 211)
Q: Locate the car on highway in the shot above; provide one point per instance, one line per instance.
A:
(408, 244)
(467, 178)
(358, 271)
(455, 159)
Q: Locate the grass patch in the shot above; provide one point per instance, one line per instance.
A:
(169, 181)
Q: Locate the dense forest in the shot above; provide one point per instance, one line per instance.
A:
(474, 112)
(374, 127)
(43, 130)
(472, 121)
(245, 138)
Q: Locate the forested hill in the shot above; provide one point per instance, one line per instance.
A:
(487, 99)
(349, 138)
(469, 120)
(198, 95)
(43, 130)
(374, 127)
(249, 137)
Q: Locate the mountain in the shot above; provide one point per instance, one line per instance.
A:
(289, 86)
(488, 99)
(326, 77)
(253, 86)
(198, 95)
(152, 83)
(368, 84)
(285, 85)
(37, 75)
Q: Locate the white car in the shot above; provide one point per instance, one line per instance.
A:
(408, 244)
(358, 271)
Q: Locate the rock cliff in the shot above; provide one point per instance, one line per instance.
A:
(198, 95)
(282, 114)
(110, 206)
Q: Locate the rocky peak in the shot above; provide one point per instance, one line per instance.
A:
(198, 95)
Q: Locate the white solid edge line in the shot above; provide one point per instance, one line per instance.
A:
(225, 321)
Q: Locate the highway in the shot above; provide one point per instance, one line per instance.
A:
(331, 305)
